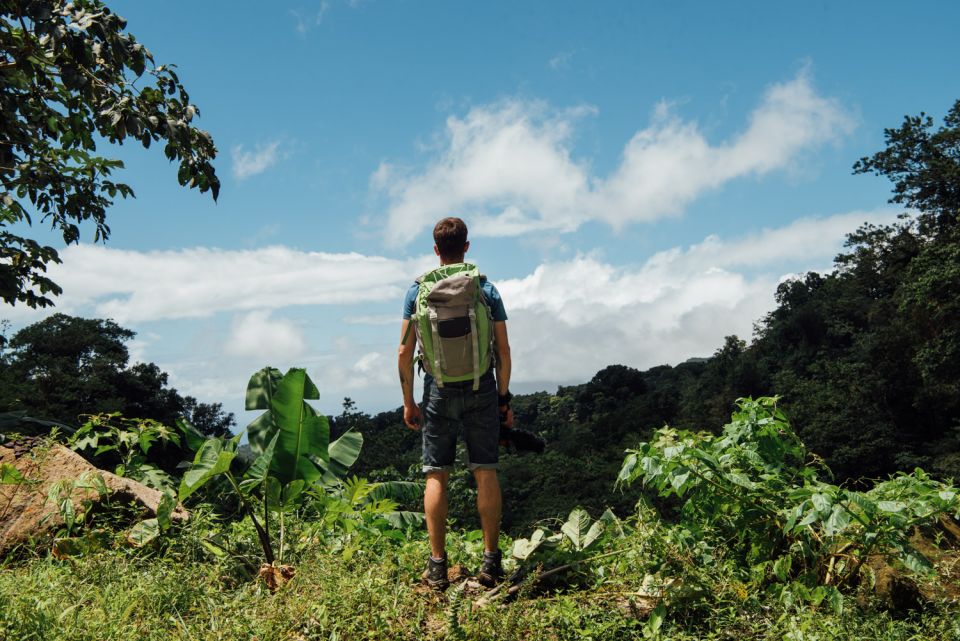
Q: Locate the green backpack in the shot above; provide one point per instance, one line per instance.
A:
(454, 325)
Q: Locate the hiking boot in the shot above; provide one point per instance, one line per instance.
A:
(491, 571)
(435, 576)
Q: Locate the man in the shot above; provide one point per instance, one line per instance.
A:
(474, 407)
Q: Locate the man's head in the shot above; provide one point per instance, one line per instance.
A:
(450, 236)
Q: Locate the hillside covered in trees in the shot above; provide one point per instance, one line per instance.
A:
(866, 359)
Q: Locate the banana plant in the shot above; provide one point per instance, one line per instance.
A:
(291, 443)
(304, 450)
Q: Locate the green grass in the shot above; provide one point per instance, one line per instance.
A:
(123, 594)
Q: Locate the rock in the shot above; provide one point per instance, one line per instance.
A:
(25, 512)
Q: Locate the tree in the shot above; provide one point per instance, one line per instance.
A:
(63, 367)
(71, 77)
(924, 167)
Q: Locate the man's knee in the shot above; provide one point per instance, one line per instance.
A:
(438, 477)
(485, 476)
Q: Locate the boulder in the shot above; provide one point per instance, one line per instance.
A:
(26, 514)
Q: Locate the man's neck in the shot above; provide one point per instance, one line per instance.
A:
(444, 262)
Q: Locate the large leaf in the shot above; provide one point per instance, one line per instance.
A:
(261, 387)
(257, 473)
(260, 390)
(193, 438)
(342, 454)
(399, 491)
(524, 548)
(402, 519)
(576, 528)
(213, 458)
(303, 433)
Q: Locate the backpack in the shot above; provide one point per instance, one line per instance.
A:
(454, 324)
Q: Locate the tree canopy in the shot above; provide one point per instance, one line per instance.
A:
(64, 367)
(70, 78)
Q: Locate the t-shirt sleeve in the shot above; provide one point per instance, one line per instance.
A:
(410, 302)
(497, 309)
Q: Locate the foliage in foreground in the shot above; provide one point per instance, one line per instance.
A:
(754, 545)
(755, 492)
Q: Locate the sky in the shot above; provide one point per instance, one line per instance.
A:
(637, 177)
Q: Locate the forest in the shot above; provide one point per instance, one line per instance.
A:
(796, 484)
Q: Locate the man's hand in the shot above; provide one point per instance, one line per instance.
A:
(506, 416)
(412, 416)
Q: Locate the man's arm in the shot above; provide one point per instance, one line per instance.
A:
(408, 342)
(502, 344)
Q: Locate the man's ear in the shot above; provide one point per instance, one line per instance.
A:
(436, 250)
(466, 246)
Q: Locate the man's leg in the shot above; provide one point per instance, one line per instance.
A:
(489, 505)
(435, 510)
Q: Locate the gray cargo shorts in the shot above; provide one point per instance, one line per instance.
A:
(455, 408)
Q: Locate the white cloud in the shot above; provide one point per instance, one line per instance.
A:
(257, 335)
(570, 319)
(131, 286)
(510, 167)
(250, 163)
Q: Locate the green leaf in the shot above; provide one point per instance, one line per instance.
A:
(781, 567)
(143, 533)
(165, 508)
(272, 493)
(260, 390)
(655, 621)
(596, 529)
(913, 559)
(403, 519)
(257, 472)
(523, 548)
(9, 475)
(679, 480)
(821, 502)
(343, 453)
(626, 470)
(292, 491)
(399, 491)
(153, 476)
(261, 387)
(303, 433)
(835, 599)
(838, 521)
(575, 529)
(891, 506)
(211, 459)
(194, 439)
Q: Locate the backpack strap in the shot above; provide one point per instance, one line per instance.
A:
(439, 363)
(475, 343)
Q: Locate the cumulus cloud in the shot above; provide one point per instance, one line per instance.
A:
(569, 319)
(257, 335)
(131, 286)
(510, 165)
(256, 161)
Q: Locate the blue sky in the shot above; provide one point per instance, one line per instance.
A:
(637, 176)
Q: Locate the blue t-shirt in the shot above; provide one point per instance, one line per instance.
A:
(489, 291)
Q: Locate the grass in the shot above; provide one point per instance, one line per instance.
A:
(179, 593)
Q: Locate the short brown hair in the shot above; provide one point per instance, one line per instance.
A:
(450, 235)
